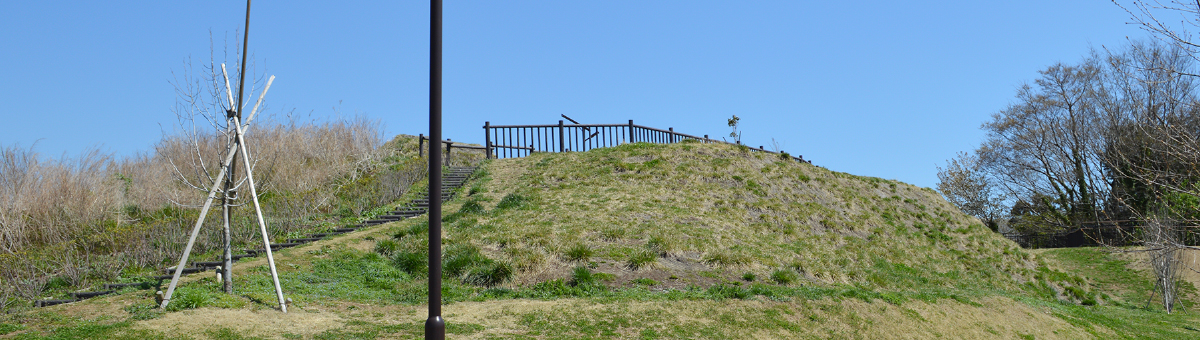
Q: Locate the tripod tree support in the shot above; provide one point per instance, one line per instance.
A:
(231, 151)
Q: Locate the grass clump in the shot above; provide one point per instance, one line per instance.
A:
(725, 259)
(641, 259)
(783, 276)
(579, 253)
(511, 201)
(645, 282)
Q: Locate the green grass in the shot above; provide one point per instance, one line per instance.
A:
(572, 246)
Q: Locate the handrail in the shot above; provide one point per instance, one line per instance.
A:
(506, 141)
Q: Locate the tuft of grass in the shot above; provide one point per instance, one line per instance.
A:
(465, 262)
(579, 253)
(641, 259)
(511, 201)
(783, 276)
(386, 247)
(749, 277)
(659, 245)
(644, 282)
(412, 262)
(187, 298)
(725, 259)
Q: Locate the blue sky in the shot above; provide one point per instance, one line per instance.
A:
(879, 88)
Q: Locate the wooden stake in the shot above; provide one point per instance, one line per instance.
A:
(258, 212)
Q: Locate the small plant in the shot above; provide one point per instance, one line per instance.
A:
(659, 245)
(749, 277)
(487, 274)
(415, 263)
(783, 276)
(144, 311)
(386, 247)
(785, 156)
(511, 201)
(582, 276)
(189, 298)
(733, 124)
(722, 259)
(612, 234)
(471, 207)
(579, 253)
(640, 260)
(644, 282)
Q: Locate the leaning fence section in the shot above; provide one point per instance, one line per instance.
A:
(510, 141)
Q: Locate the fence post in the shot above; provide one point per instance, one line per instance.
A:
(421, 145)
(560, 136)
(631, 130)
(706, 139)
(487, 137)
(449, 145)
(671, 138)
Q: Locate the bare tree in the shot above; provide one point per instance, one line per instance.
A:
(965, 184)
(1043, 150)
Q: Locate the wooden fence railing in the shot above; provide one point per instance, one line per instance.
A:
(509, 141)
(447, 150)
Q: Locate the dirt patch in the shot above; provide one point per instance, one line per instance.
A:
(265, 323)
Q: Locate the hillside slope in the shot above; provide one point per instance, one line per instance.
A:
(694, 210)
(647, 241)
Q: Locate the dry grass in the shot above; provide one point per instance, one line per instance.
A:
(717, 212)
(90, 218)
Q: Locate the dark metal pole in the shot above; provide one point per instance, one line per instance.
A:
(561, 147)
(435, 326)
(235, 109)
(487, 138)
(631, 130)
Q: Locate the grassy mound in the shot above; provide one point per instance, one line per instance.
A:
(662, 242)
(703, 214)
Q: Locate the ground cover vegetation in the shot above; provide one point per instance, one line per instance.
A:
(73, 223)
(555, 246)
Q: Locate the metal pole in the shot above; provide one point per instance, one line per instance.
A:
(561, 147)
(631, 130)
(435, 326)
(487, 137)
(421, 145)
